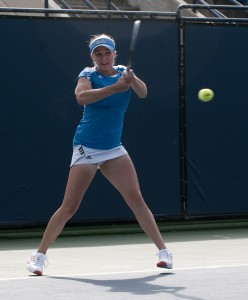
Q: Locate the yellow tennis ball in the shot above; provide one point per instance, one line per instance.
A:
(205, 95)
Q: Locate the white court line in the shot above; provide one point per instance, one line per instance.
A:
(159, 270)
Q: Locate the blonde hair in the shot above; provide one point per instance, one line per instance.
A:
(101, 35)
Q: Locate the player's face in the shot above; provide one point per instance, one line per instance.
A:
(104, 59)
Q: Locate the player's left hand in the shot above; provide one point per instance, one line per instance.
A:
(128, 76)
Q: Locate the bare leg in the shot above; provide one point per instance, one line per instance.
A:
(80, 177)
(121, 173)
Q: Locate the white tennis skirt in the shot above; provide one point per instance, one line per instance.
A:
(84, 155)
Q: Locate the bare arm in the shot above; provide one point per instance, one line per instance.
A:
(139, 87)
(136, 84)
(86, 95)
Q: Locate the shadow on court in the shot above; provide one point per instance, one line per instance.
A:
(208, 265)
(142, 286)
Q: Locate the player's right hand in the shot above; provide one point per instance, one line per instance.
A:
(122, 84)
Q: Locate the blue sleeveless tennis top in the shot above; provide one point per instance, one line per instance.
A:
(102, 121)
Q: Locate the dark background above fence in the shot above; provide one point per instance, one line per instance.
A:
(40, 60)
(217, 145)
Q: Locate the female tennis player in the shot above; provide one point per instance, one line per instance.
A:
(104, 91)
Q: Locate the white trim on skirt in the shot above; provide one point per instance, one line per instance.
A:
(84, 155)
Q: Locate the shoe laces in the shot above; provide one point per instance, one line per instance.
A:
(163, 253)
(40, 259)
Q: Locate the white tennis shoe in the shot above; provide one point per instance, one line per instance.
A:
(165, 259)
(36, 263)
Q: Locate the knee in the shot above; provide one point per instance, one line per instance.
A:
(66, 212)
(136, 201)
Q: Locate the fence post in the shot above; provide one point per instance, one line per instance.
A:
(46, 4)
(109, 5)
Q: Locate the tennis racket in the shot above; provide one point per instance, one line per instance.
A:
(134, 36)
